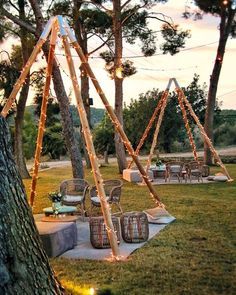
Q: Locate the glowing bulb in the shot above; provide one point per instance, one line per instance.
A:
(119, 73)
(91, 291)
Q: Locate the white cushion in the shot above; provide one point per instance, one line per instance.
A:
(175, 168)
(71, 198)
(195, 171)
(97, 200)
(220, 178)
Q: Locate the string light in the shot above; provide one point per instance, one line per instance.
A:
(205, 137)
(184, 114)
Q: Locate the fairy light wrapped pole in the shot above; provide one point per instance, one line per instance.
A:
(203, 133)
(150, 123)
(112, 115)
(187, 126)
(43, 111)
(89, 143)
(160, 118)
(26, 68)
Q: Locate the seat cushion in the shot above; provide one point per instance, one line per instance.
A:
(195, 171)
(97, 200)
(71, 198)
(57, 237)
(175, 169)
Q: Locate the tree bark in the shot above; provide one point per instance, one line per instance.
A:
(67, 123)
(20, 109)
(81, 36)
(24, 266)
(19, 122)
(225, 26)
(117, 30)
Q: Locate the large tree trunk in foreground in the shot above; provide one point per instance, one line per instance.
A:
(67, 123)
(117, 29)
(24, 266)
(225, 27)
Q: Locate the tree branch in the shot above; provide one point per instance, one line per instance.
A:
(9, 29)
(135, 9)
(99, 6)
(163, 18)
(104, 42)
(17, 21)
(13, 5)
(127, 2)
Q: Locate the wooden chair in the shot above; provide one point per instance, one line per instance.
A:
(194, 169)
(112, 189)
(174, 169)
(74, 193)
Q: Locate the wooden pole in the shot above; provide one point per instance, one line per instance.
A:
(154, 142)
(26, 68)
(91, 151)
(145, 134)
(22, 77)
(43, 116)
(204, 135)
(113, 117)
(187, 126)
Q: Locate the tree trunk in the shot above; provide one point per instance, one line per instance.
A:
(67, 123)
(19, 118)
(225, 25)
(18, 140)
(117, 30)
(81, 36)
(24, 266)
(106, 155)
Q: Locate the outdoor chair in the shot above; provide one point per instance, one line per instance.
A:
(174, 169)
(112, 189)
(74, 193)
(194, 169)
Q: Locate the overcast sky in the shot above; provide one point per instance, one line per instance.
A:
(154, 72)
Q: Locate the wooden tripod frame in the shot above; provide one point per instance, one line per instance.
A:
(183, 102)
(58, 24)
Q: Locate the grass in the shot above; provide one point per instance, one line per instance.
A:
(193, 255)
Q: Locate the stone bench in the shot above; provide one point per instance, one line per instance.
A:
(57, 237)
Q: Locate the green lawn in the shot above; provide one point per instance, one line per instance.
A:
(193, 255)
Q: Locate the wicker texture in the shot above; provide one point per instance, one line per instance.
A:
(112, 189)
(98, 233)
(195, 170)
(174, 169)
(134, 227)
(74, 192)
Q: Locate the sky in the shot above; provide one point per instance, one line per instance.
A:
(155, 72)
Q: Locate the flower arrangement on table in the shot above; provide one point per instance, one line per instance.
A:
(55, 197)
(159, 163)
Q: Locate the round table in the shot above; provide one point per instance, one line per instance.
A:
(61, 210)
